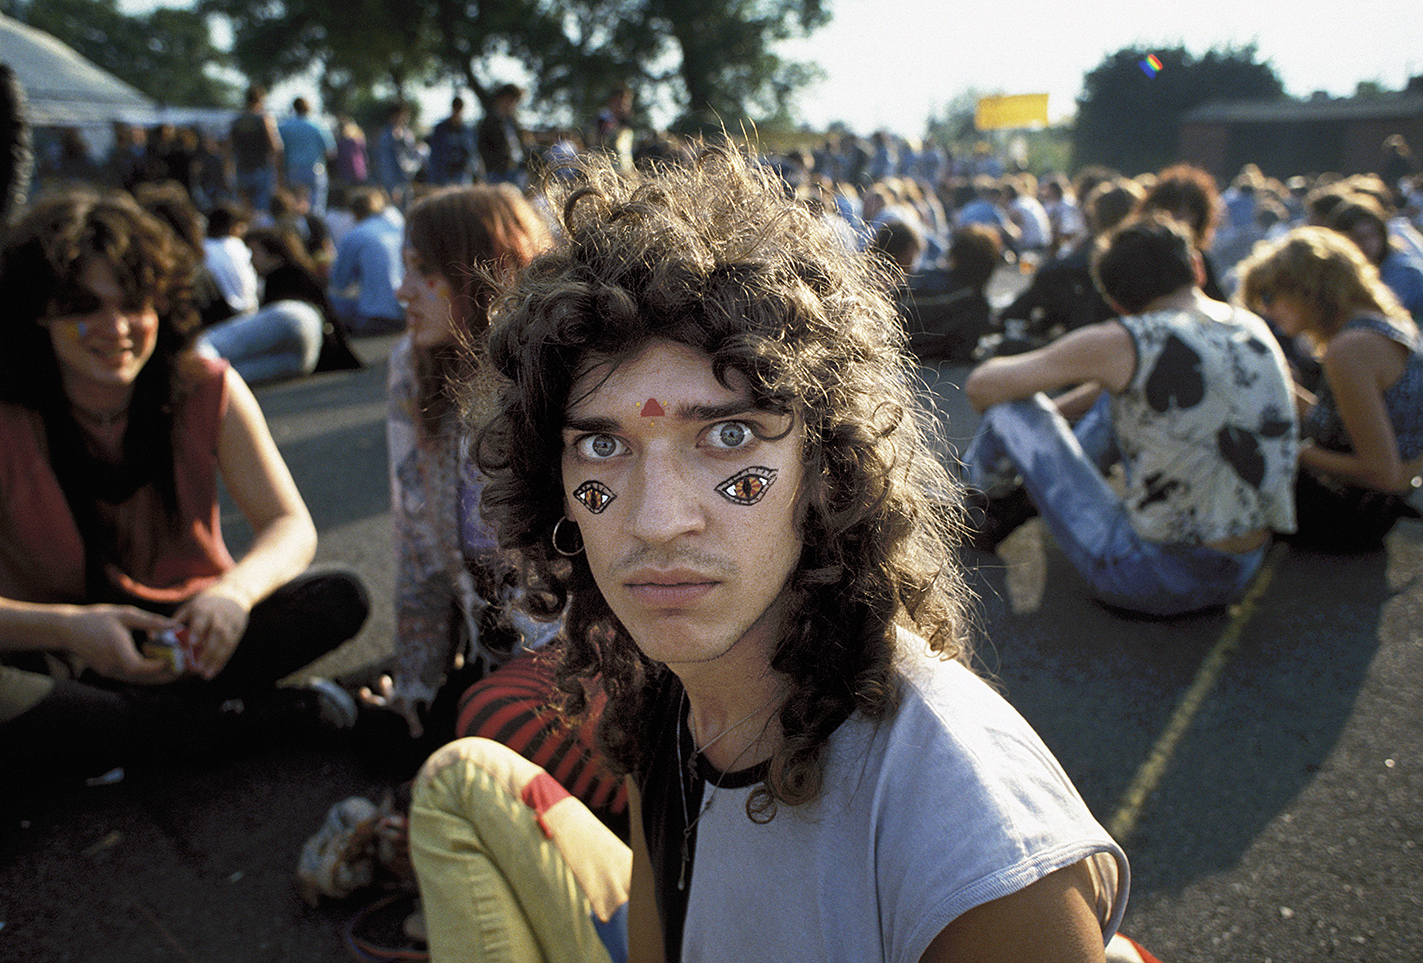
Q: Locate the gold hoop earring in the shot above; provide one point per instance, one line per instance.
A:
(554, 538)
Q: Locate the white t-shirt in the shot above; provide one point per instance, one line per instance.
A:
(951, 803)
(230, 261)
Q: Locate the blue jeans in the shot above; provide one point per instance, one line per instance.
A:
(1062, 469)
(282, 340)
(315, 181)
(257, 186)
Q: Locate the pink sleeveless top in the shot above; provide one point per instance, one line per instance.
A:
(41, 554)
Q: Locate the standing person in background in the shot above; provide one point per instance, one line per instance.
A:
(114, 437)
(612, 129)
(351, 168)
(256, 150)
(452, 148)
(397, 155)
(502, 140)
(307, 147)
(1363, 431)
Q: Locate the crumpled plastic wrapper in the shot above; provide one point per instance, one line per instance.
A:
(344, 855)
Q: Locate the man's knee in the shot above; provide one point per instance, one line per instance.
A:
(494, 762)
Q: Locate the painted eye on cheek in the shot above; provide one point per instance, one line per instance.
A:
(747, 486)
(594, 495)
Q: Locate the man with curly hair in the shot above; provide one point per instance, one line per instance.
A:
(710, 457)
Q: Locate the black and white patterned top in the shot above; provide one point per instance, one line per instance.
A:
(1207, 427)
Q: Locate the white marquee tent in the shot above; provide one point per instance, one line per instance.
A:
(63, 89)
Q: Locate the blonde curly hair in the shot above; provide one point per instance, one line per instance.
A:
(1327, 273)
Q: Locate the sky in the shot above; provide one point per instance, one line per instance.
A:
(890, 64)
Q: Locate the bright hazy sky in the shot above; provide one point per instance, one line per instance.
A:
(890, 63)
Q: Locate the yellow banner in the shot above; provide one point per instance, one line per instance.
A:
(1016, 110)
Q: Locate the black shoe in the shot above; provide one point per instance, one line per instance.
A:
(991, 520)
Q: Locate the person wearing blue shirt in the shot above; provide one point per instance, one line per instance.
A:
(307, 146)
(452, 148)
(368, 266)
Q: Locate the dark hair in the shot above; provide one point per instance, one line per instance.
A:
(1144, 259)
(975, 251)
(1110, 203)
(365, 200)
(43, 260)
(1356, 209)
(898, 242)
(713, 255)
(170, 202)
(224, 216)
(1183, 187)
(286, 244)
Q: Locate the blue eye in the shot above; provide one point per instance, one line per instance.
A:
(598, 447)
(730, 435)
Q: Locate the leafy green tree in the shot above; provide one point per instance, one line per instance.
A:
(713, 58)
(1128, 115)
(356, 44)
(164, 53)
(727, 63)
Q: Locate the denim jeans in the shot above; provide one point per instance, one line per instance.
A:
(257, 186)
(282, 340)
(317, 185)
(1062, 468)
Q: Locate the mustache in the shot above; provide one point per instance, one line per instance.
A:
(661, 557)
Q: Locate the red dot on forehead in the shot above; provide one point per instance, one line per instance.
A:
(652, 409)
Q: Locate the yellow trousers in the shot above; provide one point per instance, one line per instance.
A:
(501, 881)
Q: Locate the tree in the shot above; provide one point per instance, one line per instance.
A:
(715, 57)
(163, 53)
(1128, 114)
(357, 45)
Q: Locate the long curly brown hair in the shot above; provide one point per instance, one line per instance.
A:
(715, 255)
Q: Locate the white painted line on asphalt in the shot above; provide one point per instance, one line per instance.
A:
(1153, 768)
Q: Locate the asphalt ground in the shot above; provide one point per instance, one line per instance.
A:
(1261, 765)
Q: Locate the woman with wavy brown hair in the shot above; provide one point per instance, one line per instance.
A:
(1363, 447)
(466, 660)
